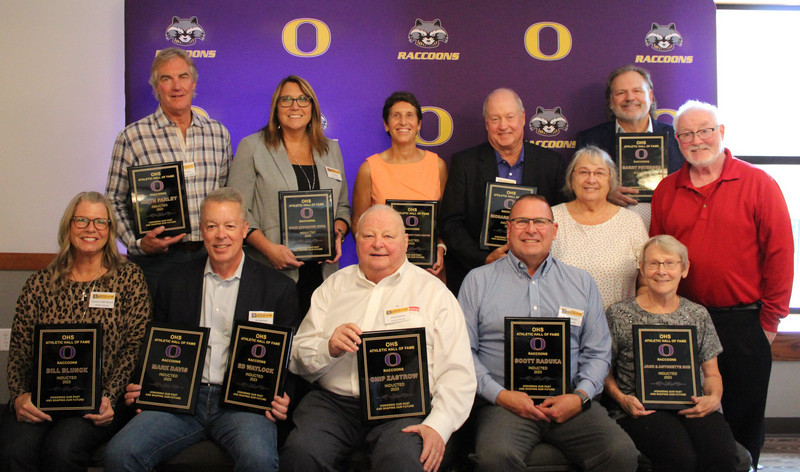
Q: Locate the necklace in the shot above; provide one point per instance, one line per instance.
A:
(89, 289)
(312, 182)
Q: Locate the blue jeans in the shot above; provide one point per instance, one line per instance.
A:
(154, 436)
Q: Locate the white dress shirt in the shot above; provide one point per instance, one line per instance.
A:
(219, 304)
(348, 297)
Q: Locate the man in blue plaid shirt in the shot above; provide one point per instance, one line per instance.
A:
(174, 132)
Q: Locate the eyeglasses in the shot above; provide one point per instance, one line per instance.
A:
(522, 222)
(302, 101)
(585, 173)
(688, 136)
(81, 222)
(669, 265)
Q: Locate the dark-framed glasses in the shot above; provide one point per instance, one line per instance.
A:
(669, 265)
(522, 223)
(302, 101)
(81, 222)
(688, 136)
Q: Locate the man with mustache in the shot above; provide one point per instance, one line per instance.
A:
(734, 220)
(631, 108)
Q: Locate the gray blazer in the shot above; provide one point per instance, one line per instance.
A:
(260, 173)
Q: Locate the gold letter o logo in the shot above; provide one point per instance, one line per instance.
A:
(290, 37)
(532, 41)
(445, 127)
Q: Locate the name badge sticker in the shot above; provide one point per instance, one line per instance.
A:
(102, 299)
(575, 315)
(188, 169)
(505, 181)
(266, 317)
(398, 315)
(334, 174)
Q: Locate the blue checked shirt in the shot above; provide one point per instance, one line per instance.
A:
(155, 139)
(494, 291)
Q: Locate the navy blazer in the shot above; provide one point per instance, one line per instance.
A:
(603, 136)
(461, 211)
(179, 298)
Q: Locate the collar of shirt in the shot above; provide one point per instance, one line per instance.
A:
(388, 280)
(236, 275)
(731, 170)
(507, 171)
(522, 270)
(649, 126)
(162, 121)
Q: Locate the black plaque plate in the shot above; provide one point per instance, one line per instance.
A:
(67, 368)
(393, 374)
(500, 198)
(259, 358)
(665, 359)
(172, 368)
(307, 224)
(537, 358)
(158, 198)
(642, 162)
(419, 218)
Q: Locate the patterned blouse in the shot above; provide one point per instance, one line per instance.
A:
(623, 315)
(123, 325)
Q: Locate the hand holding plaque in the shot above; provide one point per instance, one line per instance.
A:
(172, 368)
(642, 162)
(393, 374)
(665, 362)
(537, 357)
(259, 358)
(307, 224)
(419, 219)
(158, 198)
(500, 197)
(67, 367)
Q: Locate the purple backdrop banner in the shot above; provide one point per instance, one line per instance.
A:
(449, 53)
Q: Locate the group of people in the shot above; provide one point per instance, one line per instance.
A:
(587, 258)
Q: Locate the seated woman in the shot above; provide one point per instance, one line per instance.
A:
(404, 171)
(593, 233)
(696, 438)
(87, 262)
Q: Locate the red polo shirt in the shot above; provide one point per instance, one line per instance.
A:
(739, 236)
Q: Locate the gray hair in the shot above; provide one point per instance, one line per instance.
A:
(223, 195)
(382, 208)
(163, 57)
(645, 76)
(596, 156)
(696, 105)
(499, 91)
(668, 244)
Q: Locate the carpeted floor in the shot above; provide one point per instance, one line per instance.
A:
(780, 454)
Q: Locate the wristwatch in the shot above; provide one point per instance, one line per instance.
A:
(586, 402)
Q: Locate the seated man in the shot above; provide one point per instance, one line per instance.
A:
(212, 292)
(530, 282)
(358, 298)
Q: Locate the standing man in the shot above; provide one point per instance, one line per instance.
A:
(631, 108)
(734, 220)
(212, 292)
(384, 291)
(173, 133)
(529, 282)
(504, 156)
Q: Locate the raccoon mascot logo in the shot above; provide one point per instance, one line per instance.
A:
(185, 31)
(663, 38)
(427, 34)
(548, 122)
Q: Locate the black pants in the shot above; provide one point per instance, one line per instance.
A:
(745, 365)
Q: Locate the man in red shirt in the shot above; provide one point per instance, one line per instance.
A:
(734, 220)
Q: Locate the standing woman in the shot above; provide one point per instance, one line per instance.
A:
(87, 262)
(593, 233)
(404, 171)
(290, 153)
